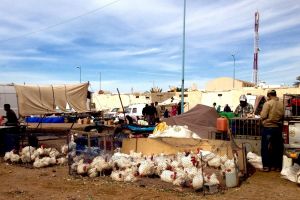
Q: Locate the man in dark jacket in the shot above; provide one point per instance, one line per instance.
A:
(11, 116)
(272, 141)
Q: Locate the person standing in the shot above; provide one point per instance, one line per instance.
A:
(158, 111)
(227, 108)
(166, 114)
(215, 105)
(244, 108)
(145, 112)
(272, 141)
(151, 114)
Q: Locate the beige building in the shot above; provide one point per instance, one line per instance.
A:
(226, 83)
(218, 90)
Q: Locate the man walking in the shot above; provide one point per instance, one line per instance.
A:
(272, 141)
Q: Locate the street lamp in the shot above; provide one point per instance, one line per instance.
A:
(183, 59)
(233, 56)
(78, 67)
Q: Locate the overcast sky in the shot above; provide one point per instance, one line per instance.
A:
(138, 43)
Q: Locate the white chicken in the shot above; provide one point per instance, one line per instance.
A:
(224, 158)
(207, 155)
(26, 158)
(191, 172)
(211, 179)
(35, 155)
(135, 155)
(82, 168)
(146, 168)
(180, 177)
(44, 162)
(54, 153)
(28, 149)
(14, 158)
(122, 162)
(131, 174)
(229, 165)
(168, 176)
(7, 155)
(64, 149)
(92, 172)
(197, 182)
(161, 163)
(117, 175)
(190, 161)
(62, 161)
(215, 162)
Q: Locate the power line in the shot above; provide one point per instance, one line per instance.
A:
(59, 23)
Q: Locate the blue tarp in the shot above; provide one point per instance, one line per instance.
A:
(45, 120)
(139, 128)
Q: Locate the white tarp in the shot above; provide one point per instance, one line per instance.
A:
(38, 100)
(171, 101)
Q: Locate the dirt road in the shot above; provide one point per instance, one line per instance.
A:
(55, 183)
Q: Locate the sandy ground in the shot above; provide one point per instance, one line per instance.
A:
(18, 182)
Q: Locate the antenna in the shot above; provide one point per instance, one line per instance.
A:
(256, 48)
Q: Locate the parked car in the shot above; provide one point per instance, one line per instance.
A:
(112, 114)
(134, 110)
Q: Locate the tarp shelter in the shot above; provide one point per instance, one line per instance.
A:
(171, 101)
(201, 119)
(39, 100)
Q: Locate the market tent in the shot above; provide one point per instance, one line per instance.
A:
(171, 101)
(201, 119)
(39, 100)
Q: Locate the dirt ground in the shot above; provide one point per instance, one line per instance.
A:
(18, 182)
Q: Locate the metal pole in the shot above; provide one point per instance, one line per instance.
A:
(183, 59)
(233, 56)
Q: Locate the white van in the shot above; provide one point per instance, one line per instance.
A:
(135, 110)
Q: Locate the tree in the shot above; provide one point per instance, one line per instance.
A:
(297, 83)
(155, 90)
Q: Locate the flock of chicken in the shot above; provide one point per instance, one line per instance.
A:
(40, 157)
(189, 169)
(183, 169)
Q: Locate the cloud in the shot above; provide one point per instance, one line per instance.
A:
(136, 41)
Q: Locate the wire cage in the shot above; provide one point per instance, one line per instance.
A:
(86, 146)
(246, 128)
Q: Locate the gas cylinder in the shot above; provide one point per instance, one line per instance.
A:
(222, 124)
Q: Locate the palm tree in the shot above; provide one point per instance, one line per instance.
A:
(297, 83)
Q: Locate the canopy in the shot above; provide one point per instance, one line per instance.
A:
(201, 119)
(171, 101)
(37, 100)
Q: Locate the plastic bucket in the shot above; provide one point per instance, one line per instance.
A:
(231, 179)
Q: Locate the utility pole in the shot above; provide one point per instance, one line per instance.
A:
(256, 48)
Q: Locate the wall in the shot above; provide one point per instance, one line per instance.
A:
(230, 97)
(109, 101)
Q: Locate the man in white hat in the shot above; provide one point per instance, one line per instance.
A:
(244, 108)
